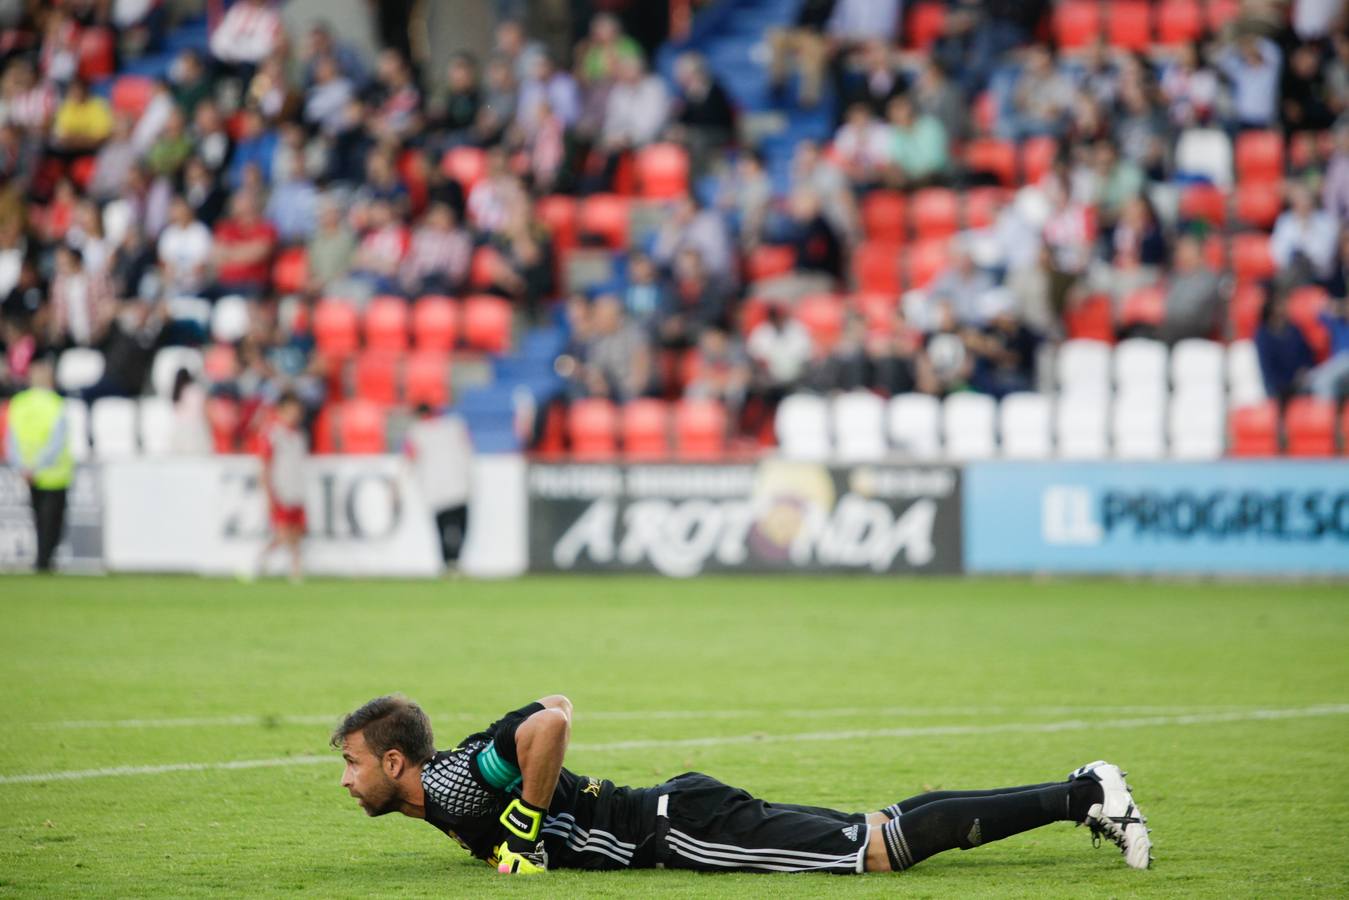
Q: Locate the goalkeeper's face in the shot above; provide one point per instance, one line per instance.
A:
(365, 778)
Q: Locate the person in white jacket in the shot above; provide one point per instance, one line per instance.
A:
(438, 450)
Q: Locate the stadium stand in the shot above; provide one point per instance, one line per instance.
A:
(408, 259)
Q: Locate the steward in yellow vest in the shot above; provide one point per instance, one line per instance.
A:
(38, 447)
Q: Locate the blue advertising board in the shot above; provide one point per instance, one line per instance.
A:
(1242, 517)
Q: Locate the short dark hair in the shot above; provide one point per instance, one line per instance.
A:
(390, 723)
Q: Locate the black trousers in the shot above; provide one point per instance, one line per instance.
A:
(451, 526)
(49, 518)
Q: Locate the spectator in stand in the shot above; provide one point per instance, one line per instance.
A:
(847, 368)
(1338, 282)
(690, 227)
(454, 110)
(244, 245)
(811, 169)
(547, 89)
(525, 263)
(1003, 349)
(636, 113)
(805, 44)
(515, 48)
(60, 51)
(747, 197)
(721, 372)
(331, 248)
(189, 83)
(285, 448)
(327, 97)
(29, 102)
(898, 362)
(114, 161)
(646, 299)
(320, 43)
(134, 269)
(546, 148)
(698, 302)
(1189, 87)
(863, 146)
(1115, 181)
(1252, 64)
(605, 49)
(490, 201)
(256, 147)
(271, 92)
(184, 252)
(961, 286)
(83, 122)
(936, 96)
(212, 142)
(250, 32)
(1140, 126)
(1330, 380)
(25, 303)
(819, 249)
(129, 350)
(1335, 191)
(780, 348)
(440, 454)
(873, 79)
(1194, 303)
(205, 198)
(379, 256)
(82, 303)
(293, 203)
(396, 101)
(497, 110)
(1042, 97)
(1137, 250)
(1306, 102)
(1304, 240)
(1068, 237)
(617, 356)
(704, 117)
(172, 148)
(919, 151)
(439, 257)
(191, 435)
(1286, 358)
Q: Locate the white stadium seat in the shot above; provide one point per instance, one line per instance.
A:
(1245, 384)
(1195, 423)
(191, 309)
(1080, 421)
(79, 368)
(1196, 362)
(1083, 364)
(1140, 363)
(913, 423)
(156, 425)
(230, 320)
(1025, 421)
(968, 426)
(1205, 152)
(1137, 426)
(802, 426)
(77, 429)
(112, 424)
(166, 365)
(859, 427)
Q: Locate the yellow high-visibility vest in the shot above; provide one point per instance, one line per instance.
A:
(34, 415)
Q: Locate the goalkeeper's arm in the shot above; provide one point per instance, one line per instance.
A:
(540, 746)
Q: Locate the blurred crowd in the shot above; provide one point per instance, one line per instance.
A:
(115, 211)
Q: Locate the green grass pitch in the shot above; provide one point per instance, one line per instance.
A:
(845, 692)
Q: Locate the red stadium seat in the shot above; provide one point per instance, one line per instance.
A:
(1180, 22)
(1092, 319)
(935, 213)
(1305, 306)
(1221, 12)
(646, 428)
(224, 419)
(984, 113)
(989, 156)
(1344, 429)
(592, 425)
(1254, 430)
(822, 314)
(1130, 24)
(386, 325)
(1251, 260)
(1037, 157)
(466, 165)
(375, 377)
(426, 379)
(1215, 252)
(770, 261)
(220, 362)
(926, 260)
(412, 171)
(876, 267)
(290, 275)
(558, 214)
(1305, 148)
(82, 171)
(606, 218)
(487, 323)
(1258, 203)
(361, 427)
(482, 270)
(98, 54)
(131, 94)
(1204, 203)
(336, 329)
(753, 312)
(435, 324)
(1259, 156)
(1146, 306)
(662, 171)
(1077, 23)
(878, 310)
(883, 216)
(981, 206)
(1248, 300)
(1309, 425)
(925, 23)
(700, 429)
(325, 440)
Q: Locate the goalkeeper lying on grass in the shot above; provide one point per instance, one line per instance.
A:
(504, 795)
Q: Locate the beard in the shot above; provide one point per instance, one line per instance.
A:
(382, 801)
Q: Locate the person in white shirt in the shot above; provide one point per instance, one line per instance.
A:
(285, 448)
(781, 348)
(1253, 64)
(638, 108)
(248, 34)
(1301, 233)
(440, 454)
(184, 252)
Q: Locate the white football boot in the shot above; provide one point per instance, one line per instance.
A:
(1117, 817)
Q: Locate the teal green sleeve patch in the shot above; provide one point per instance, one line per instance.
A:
(499, 774)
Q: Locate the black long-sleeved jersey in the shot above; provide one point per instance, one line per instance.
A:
(591, 823)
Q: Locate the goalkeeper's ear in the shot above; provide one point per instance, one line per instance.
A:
(393, 763)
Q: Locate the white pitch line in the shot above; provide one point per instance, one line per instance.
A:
(1217, 718)
(255, 721)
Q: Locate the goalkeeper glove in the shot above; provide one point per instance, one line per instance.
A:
(522, 853)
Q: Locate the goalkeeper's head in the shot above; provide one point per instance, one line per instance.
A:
(385, 743)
